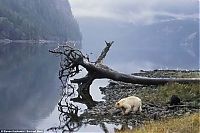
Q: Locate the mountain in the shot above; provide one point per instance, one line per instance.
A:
(37, 19)
(170, 44)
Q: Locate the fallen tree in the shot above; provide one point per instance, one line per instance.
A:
(72, 59)
(72, 62)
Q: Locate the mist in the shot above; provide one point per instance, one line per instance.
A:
(148, 35)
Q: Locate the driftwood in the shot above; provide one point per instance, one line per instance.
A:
(73, 58)
(183, 106)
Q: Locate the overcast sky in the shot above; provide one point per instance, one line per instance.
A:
(135, 11)
(130, 22)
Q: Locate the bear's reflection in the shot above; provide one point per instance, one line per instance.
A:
(28, 85)
(124, 128)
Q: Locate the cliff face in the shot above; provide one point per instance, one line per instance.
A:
(37, 19)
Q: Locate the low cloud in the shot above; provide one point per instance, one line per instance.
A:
(137, 11)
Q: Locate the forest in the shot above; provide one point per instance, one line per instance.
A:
(37, 20)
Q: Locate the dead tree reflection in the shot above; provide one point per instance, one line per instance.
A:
(70, 120)
(85, 98)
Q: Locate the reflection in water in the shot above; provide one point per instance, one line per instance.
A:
(124, 128)
(69, 119)
(69, 116)
(28, 83)
(84, 97)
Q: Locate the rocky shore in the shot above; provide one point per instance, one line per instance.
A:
(155, 106)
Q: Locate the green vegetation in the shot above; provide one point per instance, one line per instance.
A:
(187, 124)
(161, 94)
(37, 19)
(188, 93)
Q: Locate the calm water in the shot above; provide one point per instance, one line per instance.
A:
(30, 88)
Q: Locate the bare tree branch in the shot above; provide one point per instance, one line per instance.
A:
(104, 52)
(98, 70)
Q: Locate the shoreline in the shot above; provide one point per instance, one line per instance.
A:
(105, 111)
(26, 41)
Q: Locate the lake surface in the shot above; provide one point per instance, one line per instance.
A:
(30, 88)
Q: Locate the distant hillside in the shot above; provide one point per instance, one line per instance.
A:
(37, 19)
(171, 44)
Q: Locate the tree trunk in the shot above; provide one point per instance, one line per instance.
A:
(74, 58)
(100, 72)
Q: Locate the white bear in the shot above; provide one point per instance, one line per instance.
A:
(128, 103)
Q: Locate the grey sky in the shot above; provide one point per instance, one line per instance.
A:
(147, 33)
(136, 11)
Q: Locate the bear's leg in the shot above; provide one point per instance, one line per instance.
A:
(128, 109)
(140, 108)
(136, 108)
(123, 110)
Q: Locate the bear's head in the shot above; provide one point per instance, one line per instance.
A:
(117, 105)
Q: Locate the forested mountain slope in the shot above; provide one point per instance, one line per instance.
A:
(37, 19)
